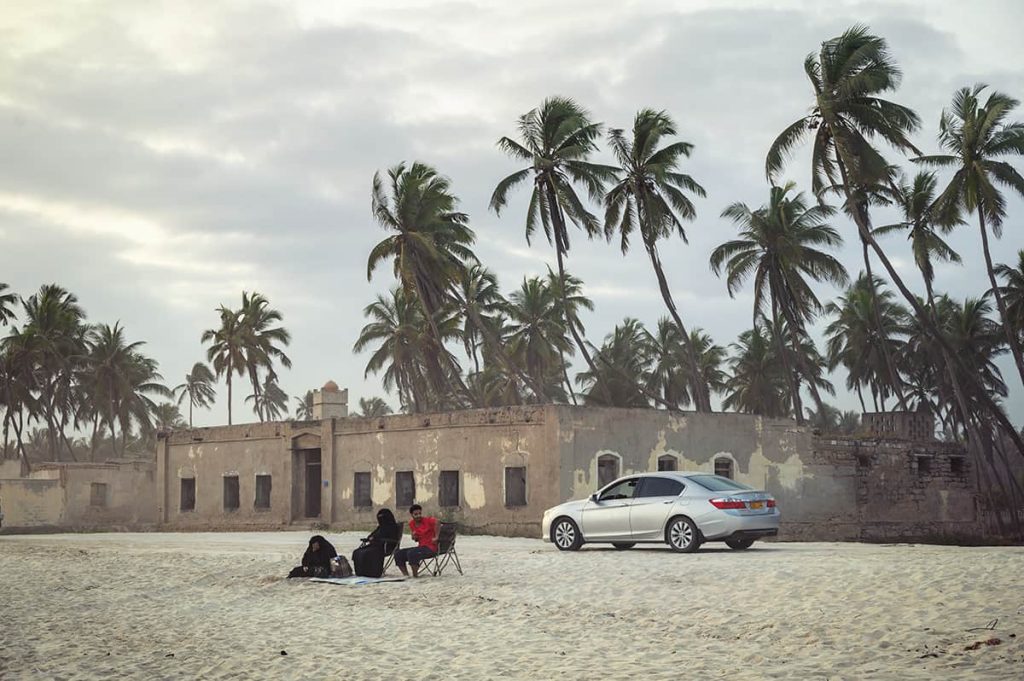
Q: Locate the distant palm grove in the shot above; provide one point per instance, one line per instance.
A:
(445, 336)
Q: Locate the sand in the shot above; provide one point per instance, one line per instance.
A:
(215, 606)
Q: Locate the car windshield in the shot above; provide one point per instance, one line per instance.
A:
(716, 483)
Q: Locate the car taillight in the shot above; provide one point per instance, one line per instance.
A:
(771, 503)
(727, 504)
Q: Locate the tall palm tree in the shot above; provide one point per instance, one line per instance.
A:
(556, 139)
(430, 245)
(650, 198)
(304, 406)
(757, 384)
(271, 401)
(923, 223)
(198, 387)
(780, 245)
(228, 344)
(569, 300)
(856, 341)
(263, 344)
(536, 331)
(978, 138)
(167, 416)
(1012, 291)
(373, 407)
(7, 302)
(624, 369)
(137, 403)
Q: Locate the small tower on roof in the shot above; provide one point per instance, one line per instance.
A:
(330, 402)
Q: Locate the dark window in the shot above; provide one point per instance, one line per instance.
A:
(715, 483)
(723, 467)
(263, 486)
(98, 494)
(231, 495)
(188, 494)
(607, 469)
(660, 487)
(668, 463)
(448, 489)
(405, 489)
(924, 465)
(515, 486)
(361, 491)
(957, 465)
(623, 490)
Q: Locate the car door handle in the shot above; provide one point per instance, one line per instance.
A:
(668, 502)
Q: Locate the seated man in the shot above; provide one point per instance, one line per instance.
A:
(424, 530)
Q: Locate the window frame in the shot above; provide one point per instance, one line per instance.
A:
(399, 503)
(270, 490)
(525, 485)
(238, 493)
(648, 480)
(441, 488)
(93, 488)
(356, 476)
(602, 495)
(181, 495)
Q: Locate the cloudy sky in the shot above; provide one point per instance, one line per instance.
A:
(161, 158)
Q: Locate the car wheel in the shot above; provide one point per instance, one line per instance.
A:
(566, 535)
(739, 544)
(682, 535)
(623, 545)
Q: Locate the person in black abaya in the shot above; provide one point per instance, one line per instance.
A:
(316, 561)
(368, 559)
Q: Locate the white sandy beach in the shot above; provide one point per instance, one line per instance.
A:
(216, 606)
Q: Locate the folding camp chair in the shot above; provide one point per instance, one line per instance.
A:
(390, 547)
(445, 552)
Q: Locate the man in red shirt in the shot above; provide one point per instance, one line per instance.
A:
(424, 530)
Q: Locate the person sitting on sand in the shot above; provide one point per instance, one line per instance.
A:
(368, 559)
(424, 530)
(316, 561)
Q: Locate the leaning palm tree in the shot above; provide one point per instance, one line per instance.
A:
(780, 245)
(198, 387)
(227, 347)
(7, 302)
(978, 138)
(271, 402)
(373, 407)
(650, 198)
(556, 140)
(304, 406)
(429, 246)
(264, 343)
(923, 224)
(1012, 291)
(569, 300)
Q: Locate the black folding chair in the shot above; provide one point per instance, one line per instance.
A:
(390, 547)
(445, 555)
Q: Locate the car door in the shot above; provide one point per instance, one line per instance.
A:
(607, 517)
(652, 504)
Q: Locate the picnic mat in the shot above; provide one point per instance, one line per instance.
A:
(356, 581)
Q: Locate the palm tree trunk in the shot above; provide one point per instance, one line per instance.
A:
(876, 314)
(190, 412)
(860, 396)
(439, 378)
(498, 348)
(701, 392)
(258, 400)
(1011, 336)
(948, 356)
(229, 393)
(787, 370)
(565, 375)
(18, 424)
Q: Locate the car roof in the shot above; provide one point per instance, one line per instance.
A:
(666, 474)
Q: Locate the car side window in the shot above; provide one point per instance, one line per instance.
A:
(660, 487)
(624, 490)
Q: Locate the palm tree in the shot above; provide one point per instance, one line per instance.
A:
(198, 387)
(624, 369)
(167, 416)
(7, 302)
(977, 138)
(227, 351)
(430, 245)
(922, 222)
(270, 401)
(263, 343)
(757, 384)
(536, 332)
(304, 407)
(855, 340)
(373, 407)
(650, 198)
(1013, 293)
(780, 246)
(556, 140)
(569, 299)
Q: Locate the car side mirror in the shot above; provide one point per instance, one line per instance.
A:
(593, 497)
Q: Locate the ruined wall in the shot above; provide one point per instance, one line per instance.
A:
(479, 444)
(127, 499)
(30, 504)
(208, 455)
(10, 469)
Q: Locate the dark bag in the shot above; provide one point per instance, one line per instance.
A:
(368, 560)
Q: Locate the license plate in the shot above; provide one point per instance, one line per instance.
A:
(756, 504)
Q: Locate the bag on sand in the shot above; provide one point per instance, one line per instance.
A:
(340, 567)
(369, 560)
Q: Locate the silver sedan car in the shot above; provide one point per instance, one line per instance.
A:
(683, 510)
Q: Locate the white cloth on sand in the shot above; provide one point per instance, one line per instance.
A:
(356, 580)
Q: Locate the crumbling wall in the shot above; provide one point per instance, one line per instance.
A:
(31, 505)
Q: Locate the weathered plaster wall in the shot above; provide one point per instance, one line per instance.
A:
(209, 454)
(477, 443)
(131, 488)
(10, 469)
(31, 504)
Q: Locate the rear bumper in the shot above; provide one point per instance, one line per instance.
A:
(754, 534)
(726, 526)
